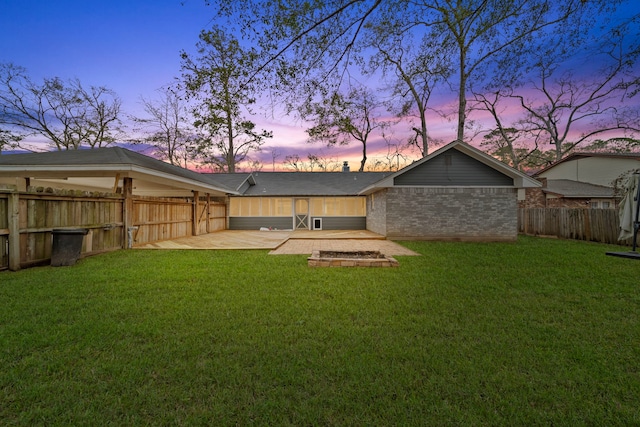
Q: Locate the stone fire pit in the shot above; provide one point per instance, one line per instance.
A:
(350, 259)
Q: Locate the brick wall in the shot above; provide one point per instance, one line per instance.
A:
(451, 213)
(377, 212)
(536, 198)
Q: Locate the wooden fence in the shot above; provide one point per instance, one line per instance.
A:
(156, 219)
(596, 225)
(27, 220)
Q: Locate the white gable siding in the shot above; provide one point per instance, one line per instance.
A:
(593, 170)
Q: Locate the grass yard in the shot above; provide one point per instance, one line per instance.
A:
(538, 332)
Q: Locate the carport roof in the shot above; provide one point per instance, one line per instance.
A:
(106, 162)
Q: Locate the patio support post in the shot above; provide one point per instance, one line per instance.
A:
(194, 213)
(208, 213)
(127, 215)
(14, 231)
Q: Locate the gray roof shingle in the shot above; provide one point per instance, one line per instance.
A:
(99, 157)
(576, 189)
(304, 183)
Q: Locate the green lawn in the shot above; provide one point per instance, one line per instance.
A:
(538, 332)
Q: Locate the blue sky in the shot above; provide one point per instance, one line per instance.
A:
(132, 47)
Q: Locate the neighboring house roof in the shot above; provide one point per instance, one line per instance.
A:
(305, 183)
(579, 156)
(576, 189)
(593, 168)
(106, 162)
(582, 155)
(516, 179)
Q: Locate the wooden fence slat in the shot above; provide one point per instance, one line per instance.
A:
(27, 220)
(597, 225)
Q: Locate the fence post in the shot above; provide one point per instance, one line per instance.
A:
(195, 219)
(208, 213)
(127, 214)
(587, 224)
(13, 213)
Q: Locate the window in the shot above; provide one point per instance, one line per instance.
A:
(259, 206)
(277, 207)
(600, 204)
(317, 206)
(283, 206)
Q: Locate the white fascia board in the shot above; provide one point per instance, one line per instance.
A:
(172, 180)
(125, 171)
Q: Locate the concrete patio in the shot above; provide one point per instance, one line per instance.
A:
(287, 242)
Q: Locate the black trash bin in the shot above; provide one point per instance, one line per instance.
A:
(67, 245)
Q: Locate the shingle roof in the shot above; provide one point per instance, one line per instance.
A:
(584, 155)
(112, 158)
(230, 180)
(576, 189)
(306, 183)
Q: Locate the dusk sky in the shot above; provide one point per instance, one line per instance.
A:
(132, 47)
(129, 46)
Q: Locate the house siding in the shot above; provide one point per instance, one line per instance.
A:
(423, 213)
(453, 168)
(286, 223)
(594, 170)
(256, 222)
(342, 222)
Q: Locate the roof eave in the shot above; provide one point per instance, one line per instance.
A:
(106, 170)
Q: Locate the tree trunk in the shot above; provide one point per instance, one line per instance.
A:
(231, 161)
(462, 99)
(364, 156)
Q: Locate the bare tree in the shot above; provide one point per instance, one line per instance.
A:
(219, 81)
(510, 144)
(343, 118)
(415, 69)
(294, 162)
(314, 162)
(8, 139)
(396, 156)
(314, 42)
(167, 127)
(597, 103)
(67, 114)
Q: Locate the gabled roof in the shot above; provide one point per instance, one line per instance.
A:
(520, 179)
(106, 162)
(577, 190)
(584, 155)
(293, 184)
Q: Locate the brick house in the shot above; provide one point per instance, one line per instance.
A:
(456, 193)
